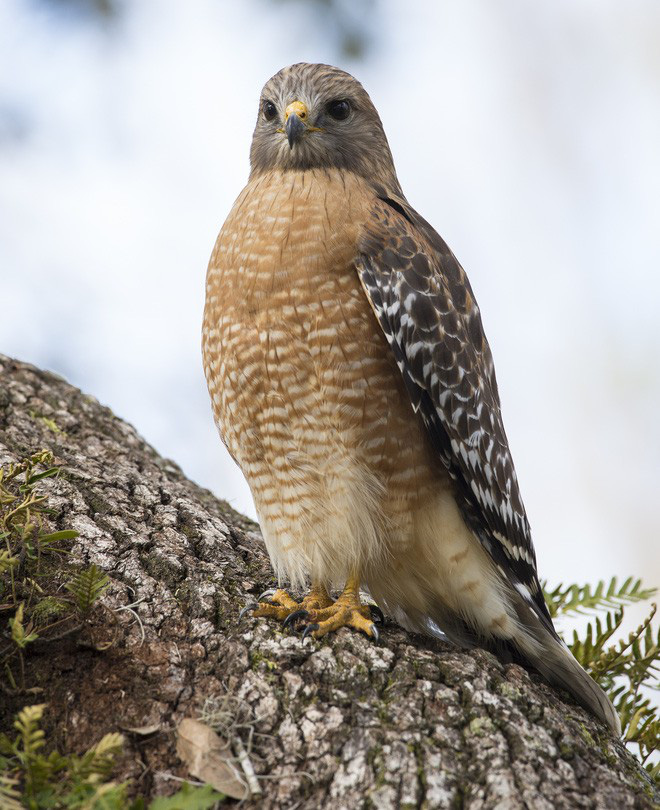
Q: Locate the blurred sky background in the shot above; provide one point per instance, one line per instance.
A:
(527, 133)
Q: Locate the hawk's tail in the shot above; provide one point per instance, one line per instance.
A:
(532, 643)
(552, 658)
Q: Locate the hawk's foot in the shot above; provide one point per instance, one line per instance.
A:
(317, 610)
(283, 607)
(346, 611)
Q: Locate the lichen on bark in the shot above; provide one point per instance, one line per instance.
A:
(344, 723)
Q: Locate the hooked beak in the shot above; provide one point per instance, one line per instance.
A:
(295, 118)
(294, 129)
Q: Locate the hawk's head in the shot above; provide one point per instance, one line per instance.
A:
(317, 116)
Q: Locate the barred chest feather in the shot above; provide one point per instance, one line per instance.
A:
(306, 394)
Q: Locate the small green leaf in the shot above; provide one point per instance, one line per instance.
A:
(188, 798)
(53, 537)
(45, 474)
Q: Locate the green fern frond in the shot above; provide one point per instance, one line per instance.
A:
(632, 709)
(653, 770)
(106, 796)
(10, 798)
(21, 635)
(581, 599)
(30, 579)
(589, 649)
(31, 737)
(7, 561)
(87, 586)
(627, 669)
(78, 783)
(637, 656)
(6, 746)
(48, 608)
(99, 760)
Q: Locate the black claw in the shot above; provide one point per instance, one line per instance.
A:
(292, 618)
(247, 609)
(377, 614)
(267, 593)
(309, 629)
(374, 633)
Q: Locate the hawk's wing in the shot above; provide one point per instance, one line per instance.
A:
(423, 301)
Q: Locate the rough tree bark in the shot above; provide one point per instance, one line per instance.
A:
(341, 723)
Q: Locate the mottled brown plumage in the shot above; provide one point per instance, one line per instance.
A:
(353, 384)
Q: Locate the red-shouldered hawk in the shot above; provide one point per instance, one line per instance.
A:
(353, 384)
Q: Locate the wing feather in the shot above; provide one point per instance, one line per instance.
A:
(427, 311)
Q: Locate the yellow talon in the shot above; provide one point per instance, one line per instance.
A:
(319, 612)
(346, 611)
(282, 604)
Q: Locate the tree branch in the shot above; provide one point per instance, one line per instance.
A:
(341, 722)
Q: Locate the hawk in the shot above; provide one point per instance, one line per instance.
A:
(352, 382)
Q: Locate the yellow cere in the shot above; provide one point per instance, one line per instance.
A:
(298, 108)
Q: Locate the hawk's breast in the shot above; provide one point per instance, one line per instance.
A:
(305, 391)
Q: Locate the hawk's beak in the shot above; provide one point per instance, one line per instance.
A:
(294, 129)
(295, 117)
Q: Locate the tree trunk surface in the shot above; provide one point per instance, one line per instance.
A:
(341, 723)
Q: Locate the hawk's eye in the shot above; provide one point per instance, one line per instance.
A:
(270, 110)
(339, 109)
